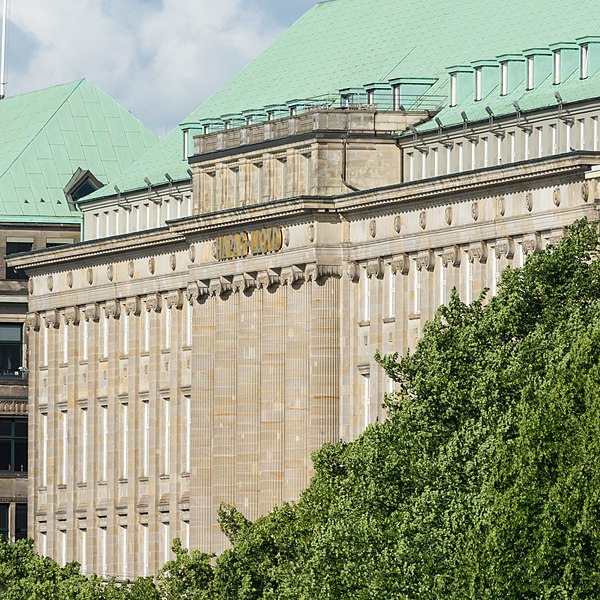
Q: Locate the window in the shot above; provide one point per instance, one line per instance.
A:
(58, 242)
(504, 80)
(486, 152)
(453, 89)
(4, 510)
(124, 440)
(367, 398)
(259, 181)
(512, 146)
(308, 173)
(584, 61)
(554, 133)
(540, 140)
(187, 402)
(167, 435)
(236, 185)
(20, 521)
(411, 166)
(104, 425)
(16, 247)
(478, 84)
(13, 445)
(145, 438)
(366, 297)
(436, 162)
(557, 67)
(530, 73)
(84, 444)
(64, 417)
(391, 294)
(11, 350)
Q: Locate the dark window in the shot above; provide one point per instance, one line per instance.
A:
(13, 445)
(11, 349)
(21, 521)
(16, 248)
(4, 508)
(87, 187)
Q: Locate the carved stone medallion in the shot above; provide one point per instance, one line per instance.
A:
(173, 262)
(90, 276)
(448, 215)
(131, 269)
(501, 204)
(398, 223)
(585, 191)
(423, 220)
(151, 266)
(475, 211)
(110, 272)
(70, 279)
(50, 283)
(311, 233)
(373, 228)
(192, 253)
(556, 197)
(286, 236)
(529, 201)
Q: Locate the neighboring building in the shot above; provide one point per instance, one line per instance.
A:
(56, 145)
(211, 332)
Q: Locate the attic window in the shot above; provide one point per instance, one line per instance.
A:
(584, 61)
(396, 96)
(453, 89)
(370, 97)
(504, 81)
(557, 65)
(478, 84)
(530, 73)
(80, 185)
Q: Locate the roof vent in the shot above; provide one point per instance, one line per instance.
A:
(511, 72)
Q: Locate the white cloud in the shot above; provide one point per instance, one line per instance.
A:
(159, 58)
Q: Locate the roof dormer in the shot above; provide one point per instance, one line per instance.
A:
(565, 60)
(407, 92)
(486, 77)
(589, 55)
(511, 72)
(538, 66)
(461, 83)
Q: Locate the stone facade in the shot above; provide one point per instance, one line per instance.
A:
(202, 362)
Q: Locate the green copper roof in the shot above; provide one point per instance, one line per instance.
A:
(45, 136)
(349, 43)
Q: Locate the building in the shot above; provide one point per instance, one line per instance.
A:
(57, 145)
(219, 321)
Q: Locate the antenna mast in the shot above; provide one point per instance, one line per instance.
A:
(3, 51)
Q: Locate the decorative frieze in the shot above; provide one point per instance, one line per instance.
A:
(13, 407)
(478, 252)
(401, 264)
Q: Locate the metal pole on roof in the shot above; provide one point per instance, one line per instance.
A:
(3, 51)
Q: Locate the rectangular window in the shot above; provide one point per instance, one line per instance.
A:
(104, 426)
(411, 166)
(167, 327)
(283, 164)
(102, 551)
(478, 84)
(504, 79)
(461, 156)
(83, 550)
(436, 162)
(486, 151)
(367, 398)
(124, 440)
(568, 132)
(16, 247)
(189, 323)
(468, 280)
(45, 343)
(13, 445)
(21, 521)
(391, 294)
(43, 543)
(581, 134)
(554, 135)
(186, 535)
(527, 136)
(513, 146)
(396, 97)
(11, 349)
(495, 272)
(145, 438)
(44, 449)
(146, 331)
(213, 190)
(104, 336)
(595, 128)
(117, 223)
(64, 417)
(584, 61)
(85, 344)
(123, 551)
(62, 544)
(473, 156)
(125, 320)
(540, 141)
(96, 225)
(443, 280)
(145, 549)
(423, 165)
(235, 176)
(259, 181)
(448, 160)
(366, 297)
(167, 435)
(4, 525)
(84, 444)
(557, 67)
(530, 73)
(499, 150)
(416, 290)
(187, 404)
(166, 542)
(309, 174)
(453, 89)
(65, 343)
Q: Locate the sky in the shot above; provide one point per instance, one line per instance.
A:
(158, 58)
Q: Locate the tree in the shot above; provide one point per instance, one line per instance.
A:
(483, 481)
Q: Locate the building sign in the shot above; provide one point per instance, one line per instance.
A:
(249, 243)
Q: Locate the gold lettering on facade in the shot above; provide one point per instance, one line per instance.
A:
(240, 245)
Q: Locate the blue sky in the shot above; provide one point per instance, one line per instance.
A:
(159, 58)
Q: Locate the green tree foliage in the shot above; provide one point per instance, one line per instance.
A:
(483, 483)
